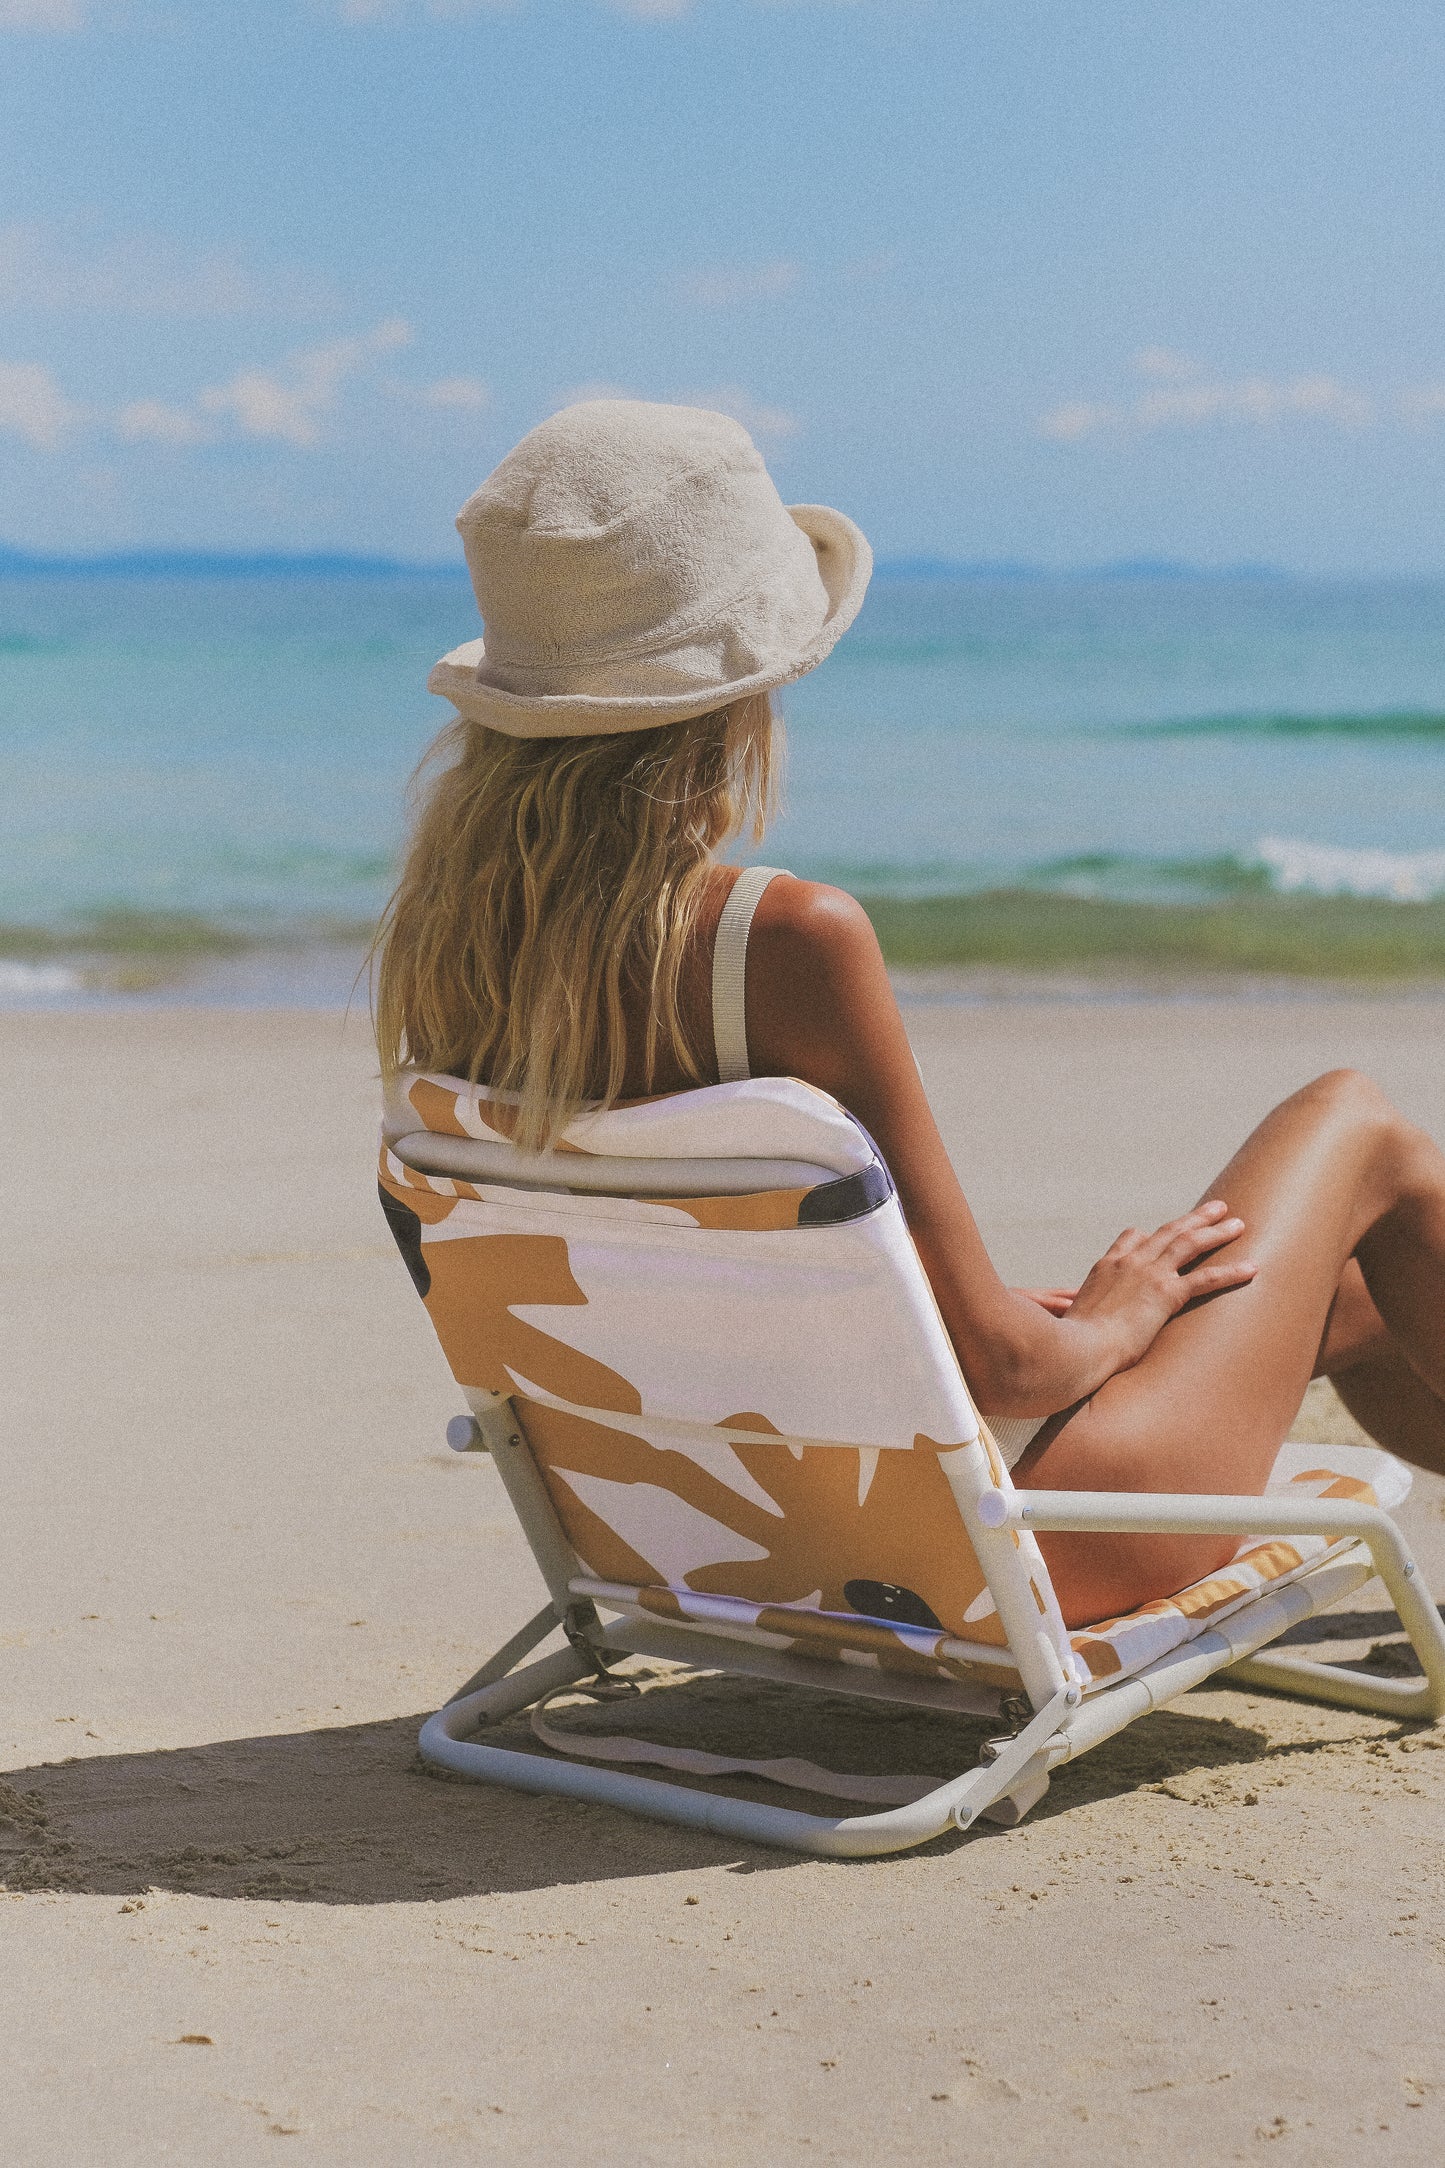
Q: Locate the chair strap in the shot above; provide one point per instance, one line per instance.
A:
(796, 1774)
(729, 973)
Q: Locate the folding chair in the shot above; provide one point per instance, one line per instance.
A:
(698, 1343)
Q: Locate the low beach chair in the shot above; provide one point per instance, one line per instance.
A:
(698, 1343)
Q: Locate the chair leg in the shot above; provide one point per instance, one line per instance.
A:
(511, 1652)
(1009, 1811)
(1380, 1696)
(954, 1805)
(506, 1696)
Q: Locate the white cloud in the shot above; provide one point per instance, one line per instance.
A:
(449, 394)
(1422, 403)
(288, 405)
(760, 420)
(595, 388)
(725, 285)
(33, 406)
(41, 15)
(152, 421)
(1183, 395)
(1078, 418)
(145, 275)
(1254, 399)
(1163, 364)
(262, 405)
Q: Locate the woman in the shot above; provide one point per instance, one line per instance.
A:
(644, 592)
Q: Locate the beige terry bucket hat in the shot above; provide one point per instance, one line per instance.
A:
(634, 565)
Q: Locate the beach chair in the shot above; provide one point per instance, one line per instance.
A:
(699, 1346)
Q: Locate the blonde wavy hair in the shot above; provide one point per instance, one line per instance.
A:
(544, 878)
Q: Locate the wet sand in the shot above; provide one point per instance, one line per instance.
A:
(239, 1567)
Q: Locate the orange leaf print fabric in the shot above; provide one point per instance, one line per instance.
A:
(811, 1521)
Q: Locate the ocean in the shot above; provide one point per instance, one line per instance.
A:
(205, 777)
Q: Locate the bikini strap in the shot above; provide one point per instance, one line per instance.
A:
(729, 973)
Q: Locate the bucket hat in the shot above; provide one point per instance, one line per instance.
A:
(634, 565)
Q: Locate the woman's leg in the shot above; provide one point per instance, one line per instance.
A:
(1333, 1173)
(1374, 1380)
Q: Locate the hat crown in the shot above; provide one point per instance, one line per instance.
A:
(634, 564)
(599, 463)
(617, 526)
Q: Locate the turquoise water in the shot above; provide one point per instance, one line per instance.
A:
(235, 751)
(1143, 737)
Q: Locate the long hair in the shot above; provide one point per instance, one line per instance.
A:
(545, 877)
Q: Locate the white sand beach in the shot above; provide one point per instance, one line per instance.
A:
(239, 1921)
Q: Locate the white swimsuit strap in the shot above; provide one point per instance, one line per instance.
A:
(729, 973)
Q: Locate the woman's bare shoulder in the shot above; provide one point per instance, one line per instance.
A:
(821, 1007)
(819, 1001)
(809, 924)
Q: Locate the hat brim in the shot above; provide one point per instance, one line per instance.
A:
(845, 564)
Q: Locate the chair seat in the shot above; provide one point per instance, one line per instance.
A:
(1115, 1648)
(1118, 1647)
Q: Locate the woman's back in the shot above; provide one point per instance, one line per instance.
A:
(712, 990)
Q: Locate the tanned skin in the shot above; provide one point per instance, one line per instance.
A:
(1180, 1362)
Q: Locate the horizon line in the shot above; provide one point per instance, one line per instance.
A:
(16, 563)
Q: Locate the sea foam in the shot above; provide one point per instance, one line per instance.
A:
(27, 982)
(1326, 869)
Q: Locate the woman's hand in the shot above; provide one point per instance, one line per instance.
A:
(1056, 1300)
(1141, 1281)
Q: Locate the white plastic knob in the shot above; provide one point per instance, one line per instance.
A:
(992, 1508)
(464, 1435)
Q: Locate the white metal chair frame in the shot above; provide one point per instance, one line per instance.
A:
(1014, 1772)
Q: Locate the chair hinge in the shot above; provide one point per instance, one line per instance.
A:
(583, 1628)
(1018, 1713)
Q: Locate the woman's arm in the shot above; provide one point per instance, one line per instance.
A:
(820, 1007)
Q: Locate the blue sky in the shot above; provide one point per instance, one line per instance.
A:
(1002, 278)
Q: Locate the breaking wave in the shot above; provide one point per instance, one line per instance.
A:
(1278, 865)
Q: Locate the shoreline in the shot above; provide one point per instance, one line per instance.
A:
(331, 977)
(1007, 944)
(1362, 939)
(324, 974)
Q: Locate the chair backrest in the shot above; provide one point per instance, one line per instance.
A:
(722, 1349)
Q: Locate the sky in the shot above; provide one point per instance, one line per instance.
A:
(1004, 279)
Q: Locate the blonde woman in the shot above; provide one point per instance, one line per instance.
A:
(644, 592)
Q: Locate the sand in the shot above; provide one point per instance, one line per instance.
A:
(239, 1566)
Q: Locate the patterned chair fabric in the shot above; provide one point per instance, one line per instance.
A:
(654, 1345)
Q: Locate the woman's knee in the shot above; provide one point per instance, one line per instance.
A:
(1351, 1096)
(1364, 1117)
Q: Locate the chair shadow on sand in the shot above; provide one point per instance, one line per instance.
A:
(350, 1815)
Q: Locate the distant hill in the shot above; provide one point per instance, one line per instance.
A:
(1008, 568)
(219, 565)
(337, 565)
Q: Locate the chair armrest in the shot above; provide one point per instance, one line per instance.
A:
(1182, 1513)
